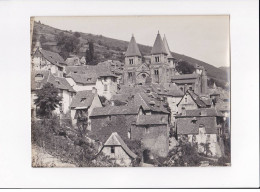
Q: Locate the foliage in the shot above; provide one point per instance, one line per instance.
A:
(185, 67)
(67, 44)
(77, 34)
(67, 144)
(90, 54)
(47, 100)
(184, 154)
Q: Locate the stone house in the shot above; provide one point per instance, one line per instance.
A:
(82, 105)
(203, 127)
(196, 81)
(39, 78)
(115, 148)
(47, 60)
(82, 82)
(109, 119)
(191, 100)
(153, 131)
(106, 84)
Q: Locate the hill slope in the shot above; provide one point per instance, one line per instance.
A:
(109, 48)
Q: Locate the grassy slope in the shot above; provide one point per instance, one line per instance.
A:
(115, 48)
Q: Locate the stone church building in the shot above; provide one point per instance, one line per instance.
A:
(160, 68)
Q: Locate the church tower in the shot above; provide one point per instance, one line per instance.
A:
(133, 56)
(159, 53)
(170, 58)
(133, 59)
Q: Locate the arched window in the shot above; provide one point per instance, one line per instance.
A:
(143, 75)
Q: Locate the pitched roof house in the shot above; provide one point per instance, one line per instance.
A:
(116, 149)
(82, 106)
(39, 78)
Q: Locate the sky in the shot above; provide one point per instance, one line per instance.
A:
(205, 38)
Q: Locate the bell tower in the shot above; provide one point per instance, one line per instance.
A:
(133, 56)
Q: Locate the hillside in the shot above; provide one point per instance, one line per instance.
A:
(109, 48)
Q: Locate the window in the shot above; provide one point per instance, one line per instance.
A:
(156, 72)
(185, 99)
(146, 130)
(83, 99)
(112, 149)
(143, 75)
(131, 61)
(38, 77)
(105, 79)
(109, 117)
(181, 88)
(190, 88)
(105, 87)
(157, 59)
(130, 74)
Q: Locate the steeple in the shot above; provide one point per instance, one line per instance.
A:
(132, 49)
(158, 46)
(167, 48)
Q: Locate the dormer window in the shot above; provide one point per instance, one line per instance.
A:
(131, 61)
(83, 99)
(38, 77)
(157, 59)
(58, 81)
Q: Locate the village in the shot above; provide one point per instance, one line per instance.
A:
(140, 112)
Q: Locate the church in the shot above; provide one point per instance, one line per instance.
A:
(160, 68)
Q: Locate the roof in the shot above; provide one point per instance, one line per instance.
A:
(73, 61)
(158, 46)
(205, 112)
(116, 140)
(52, 57)
(132, 49)
(171, 90)
(185, 76)
(89, 77)
(82, 99)
(47, 77)
(188, 125)
(202, 103)
(167, 48)
(115, 110)
(151, 120)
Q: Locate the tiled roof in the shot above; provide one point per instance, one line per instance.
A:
(115, 110)
(116, 140)
(197, 99)
(132, 49)
(89, 77)
(185, 76)
(206, 112)
(73, 61)
(52, 57)
(82, 99)
(171, 90)
(167, 47)
(120, 97)
(158, 46)
(59, 82)
(151, 120)
(187, 125)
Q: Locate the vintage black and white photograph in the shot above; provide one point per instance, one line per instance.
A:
(130, 91)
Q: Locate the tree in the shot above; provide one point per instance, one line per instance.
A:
(77, 34)
(90, 53)
(67, 44)
(47, 100)
(185, 67)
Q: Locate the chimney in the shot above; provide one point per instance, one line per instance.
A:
(94, 90)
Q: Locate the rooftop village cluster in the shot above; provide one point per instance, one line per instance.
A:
(147, 100)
